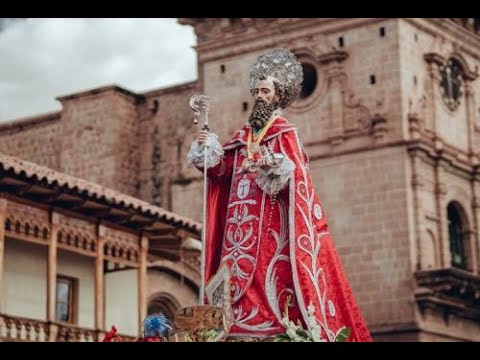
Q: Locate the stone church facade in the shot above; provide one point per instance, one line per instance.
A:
(390, 119)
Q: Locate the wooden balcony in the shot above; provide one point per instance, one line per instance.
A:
(18, 329)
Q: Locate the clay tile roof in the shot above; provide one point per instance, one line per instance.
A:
(49, 178)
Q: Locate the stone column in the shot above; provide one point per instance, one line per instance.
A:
(470, 105)
(336, 78)
(433, 91)
(475, 236)
(442, 225)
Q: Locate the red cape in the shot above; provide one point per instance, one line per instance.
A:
(317, 272)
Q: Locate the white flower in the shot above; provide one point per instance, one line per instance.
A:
(296, 332)
(312, 324)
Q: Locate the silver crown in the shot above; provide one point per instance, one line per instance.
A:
(282, 65)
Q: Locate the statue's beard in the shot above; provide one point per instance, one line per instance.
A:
(261, 113)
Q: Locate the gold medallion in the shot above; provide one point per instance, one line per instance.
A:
(254, 148)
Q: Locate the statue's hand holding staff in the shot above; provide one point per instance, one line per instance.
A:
(202, 136)
(200, 105)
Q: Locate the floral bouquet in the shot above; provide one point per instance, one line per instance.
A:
(296, 332)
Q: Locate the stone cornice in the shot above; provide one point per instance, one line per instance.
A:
(104, 89)
(31, 121)
(446, 156)
(191, 85)
(472, 24)
(233, 42)
(467, 40)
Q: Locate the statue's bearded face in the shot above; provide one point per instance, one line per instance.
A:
(266, 102)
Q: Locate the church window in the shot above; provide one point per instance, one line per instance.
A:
(310, 80)
(456, 234)
(451, 83)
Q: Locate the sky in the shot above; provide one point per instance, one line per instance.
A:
(41, 59)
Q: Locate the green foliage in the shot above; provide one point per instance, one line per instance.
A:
(342, 334)
(206, 335)
(296, 332)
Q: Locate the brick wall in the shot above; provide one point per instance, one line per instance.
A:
(166, 133)
(364, 197)
(36, 139)
(100, 138)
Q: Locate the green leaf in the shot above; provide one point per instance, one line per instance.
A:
(281, 338)
(342, 334)
(302, 332)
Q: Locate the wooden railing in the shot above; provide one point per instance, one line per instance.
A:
(14, 328)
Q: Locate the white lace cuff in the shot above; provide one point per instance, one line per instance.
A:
(214, 152)
(275, 179)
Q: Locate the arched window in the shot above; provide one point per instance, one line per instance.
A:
(457, 230)
(163, 303)
(309, 80)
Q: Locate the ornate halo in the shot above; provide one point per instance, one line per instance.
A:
(282, 65)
